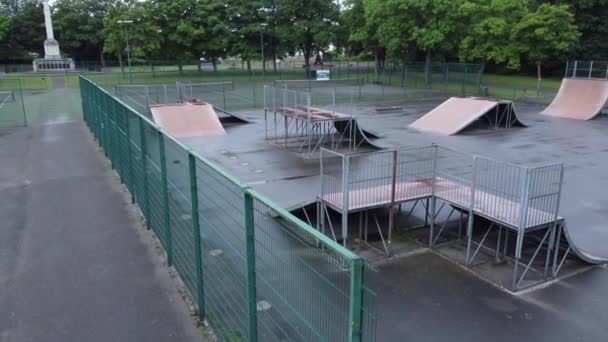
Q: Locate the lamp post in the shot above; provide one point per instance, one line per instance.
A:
(124, 23)
(262, 26)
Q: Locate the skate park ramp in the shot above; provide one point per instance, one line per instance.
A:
(188, 119)
(579, 99)
(458, 113)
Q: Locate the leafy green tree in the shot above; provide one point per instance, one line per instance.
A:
(362, 33)
(79, 25)
(5, 27)
(144, 34)
(490, 24)
(429, 25)
(307, 25)
(27, 30)
(590, 17)
(547, 33)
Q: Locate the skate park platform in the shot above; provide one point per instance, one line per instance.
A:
(421, 288)
(426, 282)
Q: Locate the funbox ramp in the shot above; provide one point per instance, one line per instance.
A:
(458, 113)
(579, 99)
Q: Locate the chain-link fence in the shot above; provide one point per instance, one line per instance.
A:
(255, 271)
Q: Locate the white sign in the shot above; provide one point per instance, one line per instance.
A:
(322, 75)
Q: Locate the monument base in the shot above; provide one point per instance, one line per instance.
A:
(51, 49)
(53, 64)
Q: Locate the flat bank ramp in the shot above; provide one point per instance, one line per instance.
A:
(579, 99)
(458, 113)
(184, 120)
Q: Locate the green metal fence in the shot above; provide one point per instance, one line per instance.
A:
(12, 105)
(255, 271)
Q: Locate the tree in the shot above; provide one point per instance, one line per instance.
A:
(490, 24)
(549, 32)
(79, 25)
(430, 25)
(590, 16)
(363, 33)
(144, 34)
(27, 33)
(5, 27)
(307, 24)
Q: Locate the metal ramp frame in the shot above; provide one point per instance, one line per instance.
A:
(494, 196)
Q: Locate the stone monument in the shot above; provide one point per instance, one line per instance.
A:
(52, 60)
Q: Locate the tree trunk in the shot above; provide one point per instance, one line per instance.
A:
(274, 60)
(248, 65)
(482, 68)
(427, 68)
(122, 67)
(242, 64)
(214, 62)
(540, 79)
(102, 60)
(376, 63)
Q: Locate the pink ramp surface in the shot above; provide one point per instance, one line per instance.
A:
(188, 119)
(579, 99)
(453, 115)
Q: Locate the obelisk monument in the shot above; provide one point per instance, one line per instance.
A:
(52, 60)
(51, 46)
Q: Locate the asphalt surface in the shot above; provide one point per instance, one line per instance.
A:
(74, 266)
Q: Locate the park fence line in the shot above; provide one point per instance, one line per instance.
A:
(255, 271)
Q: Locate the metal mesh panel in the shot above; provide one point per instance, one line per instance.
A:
(331, 176)
(498, 190)
(455, 170)
(180, 213)
(544, 194)
(153, 205)
(223, 252)
(303, 285)
(217, 239)
(12, 108)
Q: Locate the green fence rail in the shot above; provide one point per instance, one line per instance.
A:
(255, 271)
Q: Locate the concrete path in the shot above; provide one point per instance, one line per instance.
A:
(74, 266)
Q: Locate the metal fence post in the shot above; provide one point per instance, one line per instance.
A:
(146, 199)
(129, 158)
(196, 231)
(165, 191)
(251, 276)
(355, 314)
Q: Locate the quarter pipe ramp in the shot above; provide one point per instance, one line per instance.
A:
(187, 119)
(456, 114)
(579, 99)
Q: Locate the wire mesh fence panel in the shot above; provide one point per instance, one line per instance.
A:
(544, 194)
(498, 190)
(179, 205)
(222, 233)
(454, 176)
(154, 206)
(254, 271)
(305, 292)
(12, 106)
